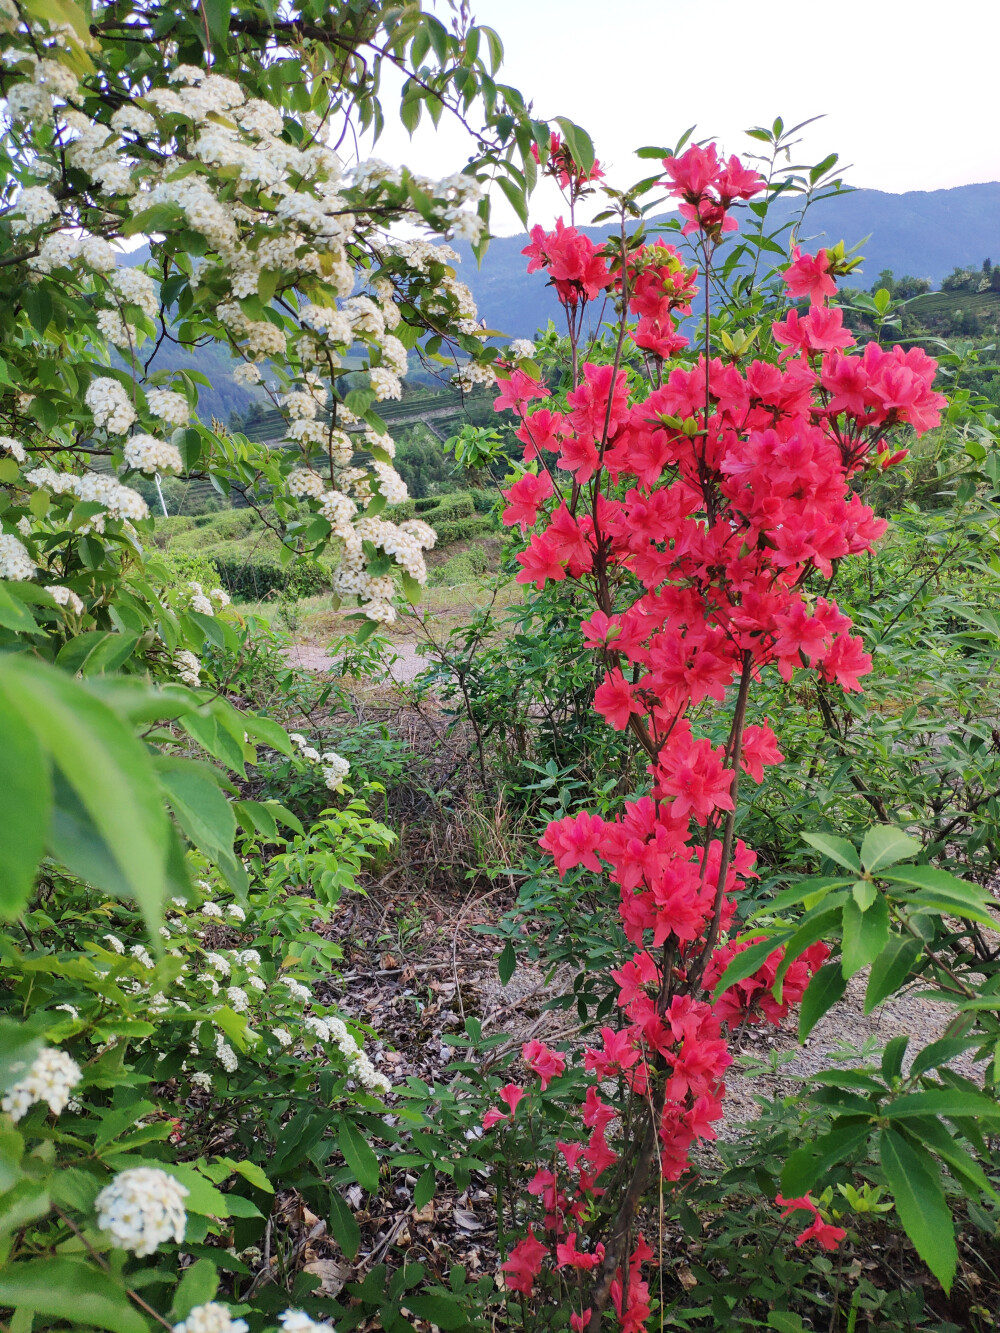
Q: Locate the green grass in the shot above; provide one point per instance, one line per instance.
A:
(937, 305)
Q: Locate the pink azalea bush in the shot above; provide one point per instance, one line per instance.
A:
(702, 508)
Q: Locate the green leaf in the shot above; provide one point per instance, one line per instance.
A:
(344, 1226)
(14, 614)
(824, 990)
(203, 812)
(893, 1055)
(864, 893)
(268, 731)
(891, 968)
(253, 1175)
(423, 1190)
(963, 1167)
(947, 887)
(915, 1181)
(940, 1052)
(865, 934)
(943, 1101)
(27, 787)
(442, 1309)
(809, 1163)
(70, 1290)
(217, 19)
(837, 849)
(198, 1285)
(507, 962)
(21, 1205)
(785, 1321)
(746, 963)
(359, 1156)
(108, 770)
(885, 845)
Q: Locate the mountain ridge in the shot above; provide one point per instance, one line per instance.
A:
(924, 233)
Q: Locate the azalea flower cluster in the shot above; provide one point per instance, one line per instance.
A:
(695, 512)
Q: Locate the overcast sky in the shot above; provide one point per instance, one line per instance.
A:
(908, 88)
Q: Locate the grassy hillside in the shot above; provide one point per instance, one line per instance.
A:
(936, 309)
(236, 549)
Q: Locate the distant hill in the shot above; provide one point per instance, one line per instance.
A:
(925, 233)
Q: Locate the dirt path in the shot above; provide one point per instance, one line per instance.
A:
(403, 666)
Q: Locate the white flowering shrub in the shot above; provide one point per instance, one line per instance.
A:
(172, 1055)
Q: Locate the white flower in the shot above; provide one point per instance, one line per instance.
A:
(52, 1077)
(297, 738)
(238, 998)
(200, 1079)
(257, 983)
(13, 447)
(335, 769)
(246, 373)
(391, 484)
(142, 1208)
(282, 1036)
(303, 481)
(189, 666)
(236, 912)
(226, 1055)
(221, 596)
(211, 1318)
(247, 957)
(521, 349)
(136, 287)
(297, 1321)
(115, 943)
(217, 961)
(296, 990)
(15, 563)
(202, 605)
(66, 597)
(169, 406)
(110, 405)
(148, 454)
(385, 383)
(137, 951)
(212, 909)
(34, 207)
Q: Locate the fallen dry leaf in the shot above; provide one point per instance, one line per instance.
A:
(332, 1275)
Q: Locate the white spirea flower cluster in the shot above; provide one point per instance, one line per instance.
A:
(141, 1209)
(13, 447)
(66, 597)
(110, 405)
(271, 200)
(335, 766)
(335, 770)
(473, 374)
(521, 349)
(146, 453)
(297, 1321)
(34, 207)
(15, 562)
(188, 667)
(207, 603)
(169, 406)
(120, 501)
(360, 1066)
(211, 1318)
(51, 1078)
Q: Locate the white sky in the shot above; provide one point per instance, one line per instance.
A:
(907, 87)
